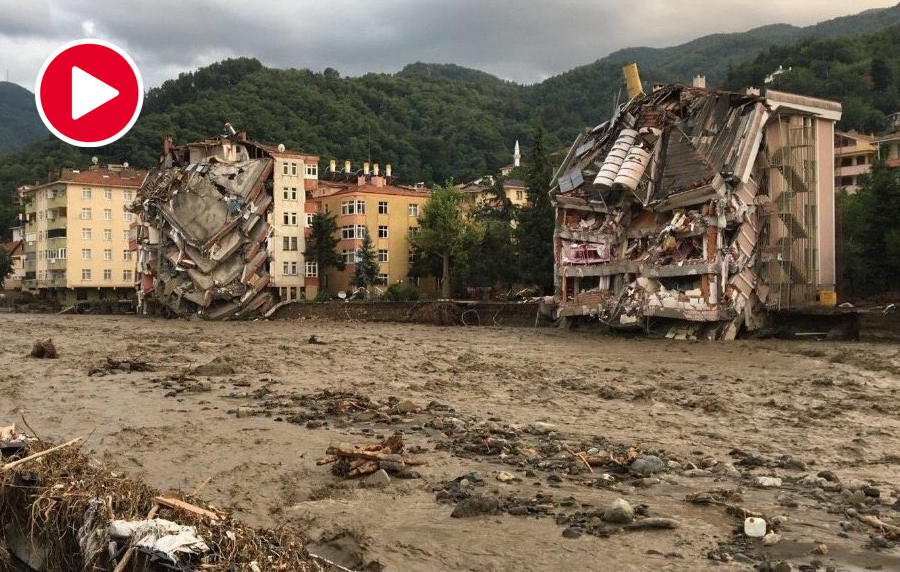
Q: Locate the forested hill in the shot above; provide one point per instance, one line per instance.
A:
(20, 123)
(437, 121)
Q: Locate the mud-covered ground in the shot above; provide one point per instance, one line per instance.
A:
(496, 414)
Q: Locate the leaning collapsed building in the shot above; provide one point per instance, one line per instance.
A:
(206, 222)
(696, 211)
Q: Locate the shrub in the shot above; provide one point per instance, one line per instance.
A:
(401, 292)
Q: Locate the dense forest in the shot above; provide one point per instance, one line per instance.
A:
(20, 123)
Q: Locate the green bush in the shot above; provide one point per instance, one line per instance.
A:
(401, 292)
(322, 296)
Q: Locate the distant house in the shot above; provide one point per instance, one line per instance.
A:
(854, 154)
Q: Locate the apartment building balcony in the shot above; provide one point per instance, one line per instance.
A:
(852, 170)
(56, 264)
(52, 283)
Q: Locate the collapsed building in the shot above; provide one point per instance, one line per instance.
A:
(694, 212)
(206, 219)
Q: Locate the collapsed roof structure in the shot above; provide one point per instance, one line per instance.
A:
(697, 211)
(202, 230)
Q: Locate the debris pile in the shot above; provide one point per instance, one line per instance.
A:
(44, 349)
(202, 239)
(697, 206)
(60, 510)
(350, 461)
(112, 365)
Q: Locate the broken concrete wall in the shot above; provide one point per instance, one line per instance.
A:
(665, 213)
(202, 236)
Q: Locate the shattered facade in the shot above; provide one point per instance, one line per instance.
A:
(206, 239)
(699, 206)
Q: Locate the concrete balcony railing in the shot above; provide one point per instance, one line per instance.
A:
(52, 283)
(852, 170)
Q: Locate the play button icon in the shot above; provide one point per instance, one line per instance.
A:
(89, 93)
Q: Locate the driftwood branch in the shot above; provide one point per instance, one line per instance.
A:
(14, 464)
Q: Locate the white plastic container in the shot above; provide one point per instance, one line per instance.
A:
(615, 158)
(755, 527)
(632, 169)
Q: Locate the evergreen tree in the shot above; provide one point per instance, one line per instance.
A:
(321, 245)
(443, 232)
(881, 74)
(534, 231)
(366, 273)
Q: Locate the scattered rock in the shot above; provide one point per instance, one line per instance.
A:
(542, 428)
(880, 542)
(474, 505)
(571, 532)
(379, 478)
(647, 465)
(768, 482)
(829, 476)
(244, 412)
(653, 523)
(872, 492)
(44, 349)
(619, 512)
(821, 549)
(505, 477)
(794, 464)
(406, 406)
(315, 341)
(219, 366)
(771, 539)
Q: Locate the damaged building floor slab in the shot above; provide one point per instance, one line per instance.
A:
(511, 415)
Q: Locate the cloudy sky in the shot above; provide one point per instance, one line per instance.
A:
(518, 40)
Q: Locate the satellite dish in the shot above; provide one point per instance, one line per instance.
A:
(125, 164)
(281, 147)
(95, 160)
(342, 295)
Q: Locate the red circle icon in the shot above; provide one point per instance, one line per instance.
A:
(89, 93)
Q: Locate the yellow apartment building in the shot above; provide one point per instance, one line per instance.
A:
(76, 234)
(854, 154)
(480, 192)
(367, 201)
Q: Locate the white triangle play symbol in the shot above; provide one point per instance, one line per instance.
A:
(88, 92)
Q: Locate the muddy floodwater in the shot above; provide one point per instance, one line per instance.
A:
(497, 413)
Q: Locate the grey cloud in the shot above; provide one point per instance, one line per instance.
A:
(521, 41)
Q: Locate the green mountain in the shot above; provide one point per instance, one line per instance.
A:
(437, 121)
(20, 123)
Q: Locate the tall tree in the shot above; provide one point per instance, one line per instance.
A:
(534, 231)
(882, 77)
(366, 272)
(6, 266)
(321, 245)
(443, 232)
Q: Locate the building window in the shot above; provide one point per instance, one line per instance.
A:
(107, 254)
(382, 279)
(289, 194)
(126, 255)
(312, 171)
(861, 160)
(126, 276)
(309, 217)
(293, 169)
(382, 255)
(107, 234)
(107, 214)
(128, 195)
(85, 274)
(107, 194)
(126, 235)
(411, 256)
(128, 216)
(413, 209)
(289, 269)
(85, 193)
(520, 195)
(353, 207)
(382, 231)
(85, 234)
(62, 253)
(290, 219)
(312, 269)
(107, 275)
(353, 231)
(846, 181)
(413, 230)
(350, 255)
(85, 253)
(382, 207)
(86, 214)
(289, 243)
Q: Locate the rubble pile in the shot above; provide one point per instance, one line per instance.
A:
(691, 205)
(44, 349)
(201, 239)
(350, 461)
(60, 510)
